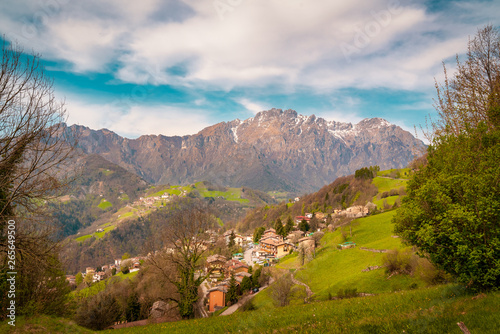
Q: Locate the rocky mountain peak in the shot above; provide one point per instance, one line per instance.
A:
(274, 150)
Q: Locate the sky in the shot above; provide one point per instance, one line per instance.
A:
(174, 67)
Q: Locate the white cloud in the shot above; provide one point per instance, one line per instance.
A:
(258, 43)
(252, 106)
(138, 120)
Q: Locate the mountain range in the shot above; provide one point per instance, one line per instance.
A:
(276, 150)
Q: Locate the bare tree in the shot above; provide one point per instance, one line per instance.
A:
(281, 290)
(180, 263)
(465, 100)
(34, 164)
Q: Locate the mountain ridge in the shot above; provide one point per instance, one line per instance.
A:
(274, 150)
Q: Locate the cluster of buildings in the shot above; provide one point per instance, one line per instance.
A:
(150, 201)
(220, 270)
(107, 270)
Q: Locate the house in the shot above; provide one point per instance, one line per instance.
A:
(239, 240)
(283, 249)
(216, 298)
(216, 265)
(99, 276)
(235, 266)
(345, 245)
(269, 233)
(89, 271)
(307, 243)
(240, 268)
(243, 274)
(299, 219)
(71, 279)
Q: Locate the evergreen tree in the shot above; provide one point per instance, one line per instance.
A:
(231, 242)
(246, 284)
(278, 226)
(289, 225)
(232, 292)
(304, 225)
(133, 310)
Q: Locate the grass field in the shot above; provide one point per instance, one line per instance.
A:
(233, 194)
(390, 201)
(430, 310)
(100, 286)
(83, 238)
(99, 235)
(404, 173)
(334, 269)
(385, 184)
(104, 204)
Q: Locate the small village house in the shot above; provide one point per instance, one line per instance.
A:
(216, 298)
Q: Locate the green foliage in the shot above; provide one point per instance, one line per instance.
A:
(98, 312)
(231, 240)
(256, 278)
(246, 284)
(435, 310)
(257, 234)
(278, 226)
(289, 225)
(402, 261)
(78, 279)
(133, 309)
(453, 208)
(304, 226)
(347, 293)
(104, 204)
(232, 292)
(367, 172)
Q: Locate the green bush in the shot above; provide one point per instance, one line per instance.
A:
(402, 261)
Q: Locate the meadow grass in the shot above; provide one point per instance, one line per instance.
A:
(99, 235)
(104, 204)
(380, 202)
(404, 172)
(384, 184)
(97, 287)
(43, 324)
(429, 310)
(83, 238)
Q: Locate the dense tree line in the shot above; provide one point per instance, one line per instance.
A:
(452, 211)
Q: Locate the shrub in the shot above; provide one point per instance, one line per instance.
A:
(400, 261)
(430, 274)
(347, 293)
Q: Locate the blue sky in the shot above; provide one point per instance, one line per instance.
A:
(174, 67)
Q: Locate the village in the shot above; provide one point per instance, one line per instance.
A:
(236, 271)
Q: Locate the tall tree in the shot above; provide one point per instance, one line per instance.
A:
(232, 292)
(470, 96)
(452, 209)
(289, 226)
(185, 237)
(278, 226)
(34, 163)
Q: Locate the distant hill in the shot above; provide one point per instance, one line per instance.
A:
(100, 188)
(383, 190)
(274, 151)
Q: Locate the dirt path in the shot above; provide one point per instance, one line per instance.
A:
(308, 289)
(231, 309)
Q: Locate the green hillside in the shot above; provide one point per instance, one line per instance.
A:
(432, 310)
